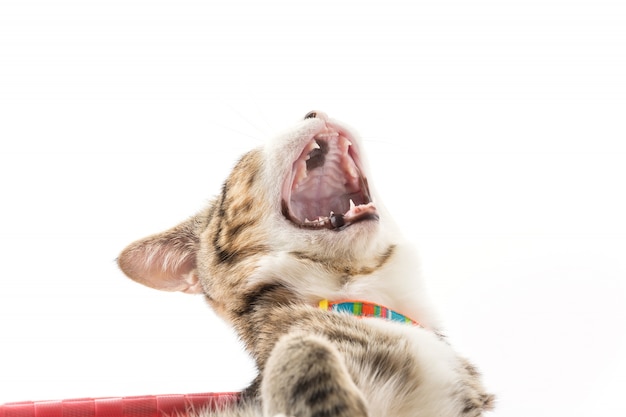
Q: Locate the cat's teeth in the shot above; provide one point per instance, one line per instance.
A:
(300, 175)
(313, 145)
(352, 171)
(319, 221)
(352, 205)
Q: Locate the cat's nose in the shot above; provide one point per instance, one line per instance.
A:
(316, 114)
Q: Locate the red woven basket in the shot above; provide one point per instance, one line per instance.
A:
(141, 406)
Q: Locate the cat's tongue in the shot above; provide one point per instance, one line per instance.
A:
(326, 188)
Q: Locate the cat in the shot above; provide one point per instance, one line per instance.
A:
(296, 237)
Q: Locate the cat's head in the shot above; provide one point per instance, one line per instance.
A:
(303, 196)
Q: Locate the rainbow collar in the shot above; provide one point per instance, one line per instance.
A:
(365, 309)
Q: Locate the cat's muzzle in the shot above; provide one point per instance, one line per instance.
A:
(326, 188)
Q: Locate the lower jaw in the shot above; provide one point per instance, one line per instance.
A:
(339, 222)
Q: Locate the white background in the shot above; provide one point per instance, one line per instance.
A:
(496, 132)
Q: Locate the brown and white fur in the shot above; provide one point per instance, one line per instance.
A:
(268, 249)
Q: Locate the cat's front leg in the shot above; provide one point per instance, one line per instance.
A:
(305, 377)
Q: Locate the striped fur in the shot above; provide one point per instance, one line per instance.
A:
(263, 270)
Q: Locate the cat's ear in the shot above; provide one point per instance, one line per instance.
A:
(166, 261)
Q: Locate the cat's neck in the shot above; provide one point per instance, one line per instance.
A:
(391, 278)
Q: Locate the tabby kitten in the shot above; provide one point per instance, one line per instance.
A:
(294, 245)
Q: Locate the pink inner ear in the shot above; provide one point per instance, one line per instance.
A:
(180, 276)
(161, 265)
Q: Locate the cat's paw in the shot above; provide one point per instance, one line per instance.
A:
(306, 376)
(476, 400)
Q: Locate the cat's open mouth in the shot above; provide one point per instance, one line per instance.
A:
(326, 187)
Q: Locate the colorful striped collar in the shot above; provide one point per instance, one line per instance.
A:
(365, 309)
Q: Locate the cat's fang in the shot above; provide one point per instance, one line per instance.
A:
(313, 145)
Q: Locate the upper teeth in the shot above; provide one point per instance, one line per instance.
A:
(313, 145)
(352, 171)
